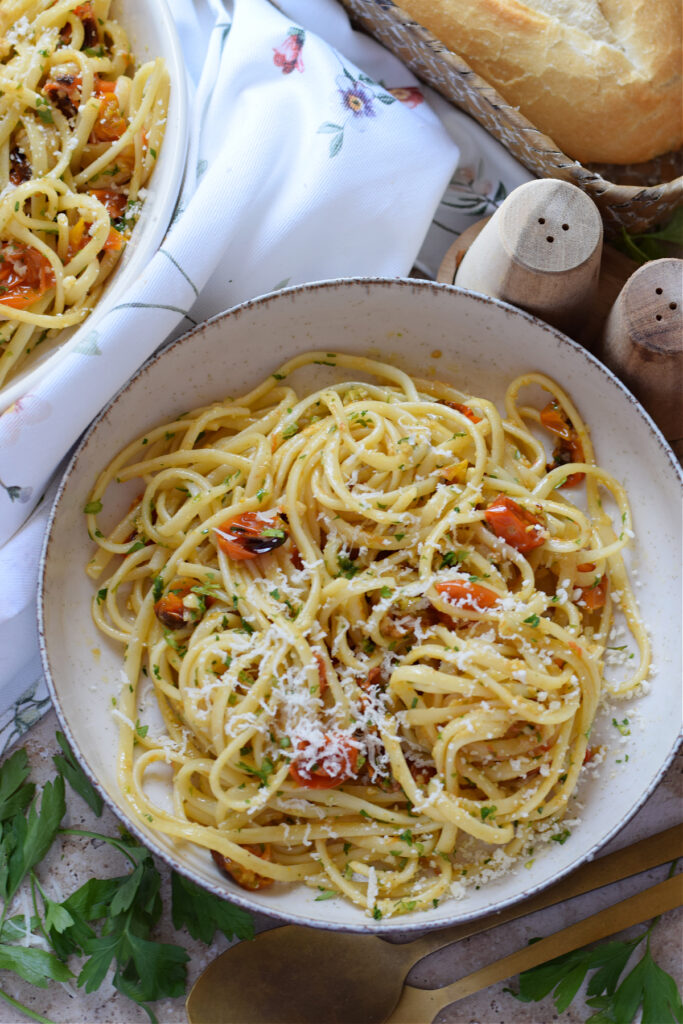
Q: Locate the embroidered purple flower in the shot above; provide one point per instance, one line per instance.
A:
(355, 97)
(288, 54)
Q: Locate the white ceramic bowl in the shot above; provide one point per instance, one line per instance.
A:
(484, 344)
(152, 33)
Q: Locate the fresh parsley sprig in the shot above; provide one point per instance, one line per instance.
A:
(107, 923)
(616, 1001)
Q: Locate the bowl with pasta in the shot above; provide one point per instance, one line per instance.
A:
(92, 150)
(356, 604)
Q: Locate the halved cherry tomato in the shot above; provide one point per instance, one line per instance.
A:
(516, 525)
(171, 609)
(64, 90)
(464, 409)
(593, 597)
(115, 204)
(110, 125)
(467, 594)
(569, 447)
(251, 534)
(332, 767)
(245, 877)
(25, 275)
(87, 15)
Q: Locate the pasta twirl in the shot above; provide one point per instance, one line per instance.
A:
(79, 137)
(374, 622)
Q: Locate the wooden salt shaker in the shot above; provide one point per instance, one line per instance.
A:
(642, 342)
(540, 251)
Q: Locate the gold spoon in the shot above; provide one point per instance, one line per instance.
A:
(295, 975)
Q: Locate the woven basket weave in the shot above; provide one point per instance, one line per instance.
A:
(635, 197)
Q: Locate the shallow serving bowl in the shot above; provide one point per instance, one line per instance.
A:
(152, 33)
(427, 329)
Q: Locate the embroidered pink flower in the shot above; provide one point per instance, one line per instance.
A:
(409, 94)
(288, 54)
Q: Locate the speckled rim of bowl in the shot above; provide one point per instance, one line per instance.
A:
(371, 926)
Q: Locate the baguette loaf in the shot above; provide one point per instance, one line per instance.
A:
(602, 78)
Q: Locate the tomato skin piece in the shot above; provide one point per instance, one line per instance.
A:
(328, 772)
(464, 409)
(516, 525)
(568, 447)
(322, 673)
(243, 536)
(20, 290)
(467, 594)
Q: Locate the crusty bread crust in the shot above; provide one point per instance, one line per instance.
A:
(615, 102)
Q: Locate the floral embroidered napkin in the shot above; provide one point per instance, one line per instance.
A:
(314, 154)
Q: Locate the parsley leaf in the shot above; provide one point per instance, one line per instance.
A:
(266, 769)
(15, 792)
(69, 767)
(646, 985)
(33, 834)
(347, 567)
(202, 914)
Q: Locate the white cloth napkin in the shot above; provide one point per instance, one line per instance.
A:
(313, 155)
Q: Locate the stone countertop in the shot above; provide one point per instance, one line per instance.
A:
(73, 860)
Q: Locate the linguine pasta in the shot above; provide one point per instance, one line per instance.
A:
(373, 619)
(79, 137)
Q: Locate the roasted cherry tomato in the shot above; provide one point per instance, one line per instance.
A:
(245, 877)
(87, 15)
(251, 534)
(25, 275)
(19, 167)
(64, 90)
(568, 447)
(467, 594)
(593, 597)
(517, 526)
(332, 767)
(115, 205)
(172, 609)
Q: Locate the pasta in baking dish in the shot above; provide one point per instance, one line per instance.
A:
(373, 620)
(80, 133)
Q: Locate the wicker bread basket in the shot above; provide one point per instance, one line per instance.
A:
(636, 197)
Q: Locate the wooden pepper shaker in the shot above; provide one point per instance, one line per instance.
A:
(642, 341)
(540, 251)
